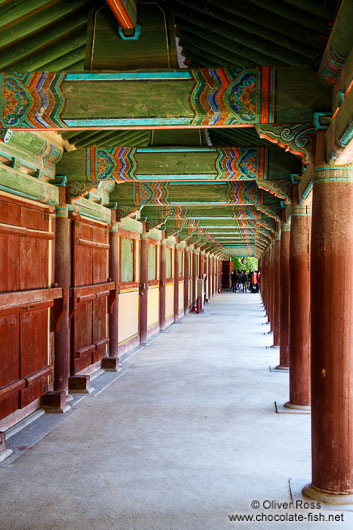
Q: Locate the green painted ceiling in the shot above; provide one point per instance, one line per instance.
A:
(52, 35)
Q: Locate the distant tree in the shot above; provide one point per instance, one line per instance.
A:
(247, 264)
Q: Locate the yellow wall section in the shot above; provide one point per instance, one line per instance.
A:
(181, 296)
(190, 292)
(169, 301)
(128, 315)
(153, 306)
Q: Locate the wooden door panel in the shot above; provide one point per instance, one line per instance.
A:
(34, 219)
(9, 351)
(91, 258)
(36, 266)
(25, 299)
(82, 358)
(83, 325)
(34, 342)
(100, 259)
(100, 234)
(99, 319)
(36, 385)
(10, 262)
(9, 404)
(83, 265)
(9, 213)
(100, 350)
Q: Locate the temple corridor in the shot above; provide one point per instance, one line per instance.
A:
(183, 437)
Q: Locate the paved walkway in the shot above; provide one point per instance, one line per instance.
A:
(185, 437)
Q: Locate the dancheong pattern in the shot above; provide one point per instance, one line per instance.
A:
(295, 138)
(115, 163)
(31, 100)
(242, 193)
(153, 193)
(227, 96)
(241, 163)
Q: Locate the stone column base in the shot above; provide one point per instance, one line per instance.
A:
(325, 496)
(294, 406)
(282, 368)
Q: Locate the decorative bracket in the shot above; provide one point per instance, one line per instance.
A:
(295, 138)
(125, 211)
(279, 188)
(76, 189)
(271, 211)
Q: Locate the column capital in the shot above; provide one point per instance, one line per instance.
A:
(301, 210)
(62, 211)
(325, 173)
(285, 226)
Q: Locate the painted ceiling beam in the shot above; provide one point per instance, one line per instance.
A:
(190, 194)
(222, 97)
(167, 163)
(206, 214)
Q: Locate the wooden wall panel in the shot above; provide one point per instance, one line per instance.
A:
(25, 299)
(90, 269)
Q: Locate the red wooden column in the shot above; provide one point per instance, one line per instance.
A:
(176, 281)
(194, 276)
(270, 283)
(186, 281)
(162, 283)
(63, 279)
(112, 361)
(284, 297)
(143, 285)
(276, 286)
(331, 332)
(263, 279)
(262, 270)
(208, 263)
(299, 312)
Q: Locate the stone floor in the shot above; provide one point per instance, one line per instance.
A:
(184, 438)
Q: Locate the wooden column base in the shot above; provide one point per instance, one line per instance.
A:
(55, 402)
(79, 384)
(110, 364)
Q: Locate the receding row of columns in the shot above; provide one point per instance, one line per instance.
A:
(201, 263)
(307, 293)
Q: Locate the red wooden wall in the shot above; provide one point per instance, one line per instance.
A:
(26, 258)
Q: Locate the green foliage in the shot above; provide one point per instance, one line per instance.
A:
(250, 264)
